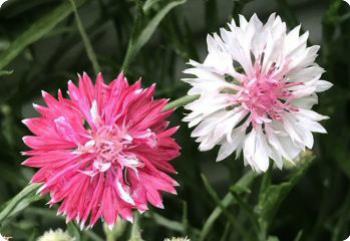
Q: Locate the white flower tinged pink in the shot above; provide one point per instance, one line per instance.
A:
(57, 235)
(3, 238)
(2, 2)
(257, 87)
(103, 151)
(177, 239)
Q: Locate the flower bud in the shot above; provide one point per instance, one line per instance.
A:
(177, 239)
(57, 235)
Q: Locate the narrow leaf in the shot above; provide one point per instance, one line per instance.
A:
(241, 186)
(36, 31)
(6, 72)
(19, 202)
(149, 4)
(273, 195)
(237, 225)
(74, 231)
(139, 40)
(88, 46)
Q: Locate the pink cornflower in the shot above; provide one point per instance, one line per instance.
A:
(257, 87)
(104, 151)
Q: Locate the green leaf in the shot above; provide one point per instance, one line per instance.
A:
(36, 31)
(272, 238)
(6, 72)
(273, 195)
(19, 202)
(138, 40)
(149, 4)
(237, 225)
(73, 230)
(299, 235)
(242, 184)
(88, 46)
(179, 34)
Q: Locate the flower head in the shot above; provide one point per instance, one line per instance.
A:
(57, 235)
(3, 238)
(257, 87)
(177, 239)
(103, 151)
(2, 2)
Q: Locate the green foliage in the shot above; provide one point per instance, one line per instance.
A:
(142, 33)
(73, 230)
(19, 202)
(36, 31)
(272, 195)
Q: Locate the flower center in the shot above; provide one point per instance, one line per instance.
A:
(107, 145)
(265, 97)
(109, 142)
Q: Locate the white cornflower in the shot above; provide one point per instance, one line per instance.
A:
(257, 87)
(3, 238)
(177, 239)
(347, 1)
(57, 235)
(1, 3)
(348, 239)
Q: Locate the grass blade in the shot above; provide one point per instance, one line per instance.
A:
(19, 202)
(36, 31)
(137, 41)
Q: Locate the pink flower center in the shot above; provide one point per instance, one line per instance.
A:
(265, 97)
(107, 145)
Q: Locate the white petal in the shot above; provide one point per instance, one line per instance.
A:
(94, 113)
(124, 194)
(281, 141)
(306, 102)
(276, 157)
(312, 115)
(256, 151)
(236, 140)
(101, 166)
(323, 85)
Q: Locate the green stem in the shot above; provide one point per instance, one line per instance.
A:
(116, 232)
(237, 225)
(181, 102)
(229, 199)
(92, 235)
(88, 46)
(109, 234)
(135, 234)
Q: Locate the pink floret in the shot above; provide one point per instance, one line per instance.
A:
(104, 151)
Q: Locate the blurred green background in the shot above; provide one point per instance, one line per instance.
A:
(41, 48)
